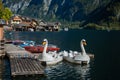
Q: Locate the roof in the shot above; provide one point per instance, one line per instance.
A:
(2, 21)
(22, 24)
(16, 18)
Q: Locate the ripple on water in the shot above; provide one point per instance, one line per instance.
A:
(68, 71)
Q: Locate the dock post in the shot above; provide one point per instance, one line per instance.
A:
(1, 68)
(2, 41)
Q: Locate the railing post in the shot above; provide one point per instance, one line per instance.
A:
(2, 41)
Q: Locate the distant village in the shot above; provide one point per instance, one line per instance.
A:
(20, 23)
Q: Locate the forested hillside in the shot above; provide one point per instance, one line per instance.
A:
(100, 14)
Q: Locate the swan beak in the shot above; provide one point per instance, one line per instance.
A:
(44, 42)
(84, 43)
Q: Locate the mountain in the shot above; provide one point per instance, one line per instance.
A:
(85, 11)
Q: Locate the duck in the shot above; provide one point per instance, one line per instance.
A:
(49, 58)
(78, 57)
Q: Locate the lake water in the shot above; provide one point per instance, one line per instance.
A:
(103, 44)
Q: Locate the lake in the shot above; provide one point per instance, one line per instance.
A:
(103, 44)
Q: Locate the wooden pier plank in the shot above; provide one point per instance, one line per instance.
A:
(25, 67)
(22, 62)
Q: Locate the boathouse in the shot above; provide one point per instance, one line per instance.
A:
(20, 23)
(49, 26)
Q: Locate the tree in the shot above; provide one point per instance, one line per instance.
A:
(5, 13)
(1, 8)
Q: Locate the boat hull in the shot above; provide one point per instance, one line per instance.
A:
(39, 49)
(17, 42)
(57, 60)
(72, 60)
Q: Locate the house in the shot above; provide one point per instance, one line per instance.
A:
(2, 22)
(16, 20)
(49, 26)
(6, 27)
(20, 23)
(21, 27)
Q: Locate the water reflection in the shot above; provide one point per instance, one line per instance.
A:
(83, 71)
(1, 65)
(6, 75)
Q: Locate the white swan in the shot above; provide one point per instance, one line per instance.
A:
(45, 56)
(49, 58)
(83, 56)
(77, 57)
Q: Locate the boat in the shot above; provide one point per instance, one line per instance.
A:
(39, 48)
(66, 29)
(49, 58)
(17, 42)
(27, 43)
(77, 57)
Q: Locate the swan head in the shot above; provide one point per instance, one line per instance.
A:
(83, 41)
(45, 41)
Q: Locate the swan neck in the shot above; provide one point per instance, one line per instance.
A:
(83, 49)
(45, 48)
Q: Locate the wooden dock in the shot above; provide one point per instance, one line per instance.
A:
(22, 62)
(25, 66)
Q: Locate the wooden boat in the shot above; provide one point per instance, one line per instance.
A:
(39, 48)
